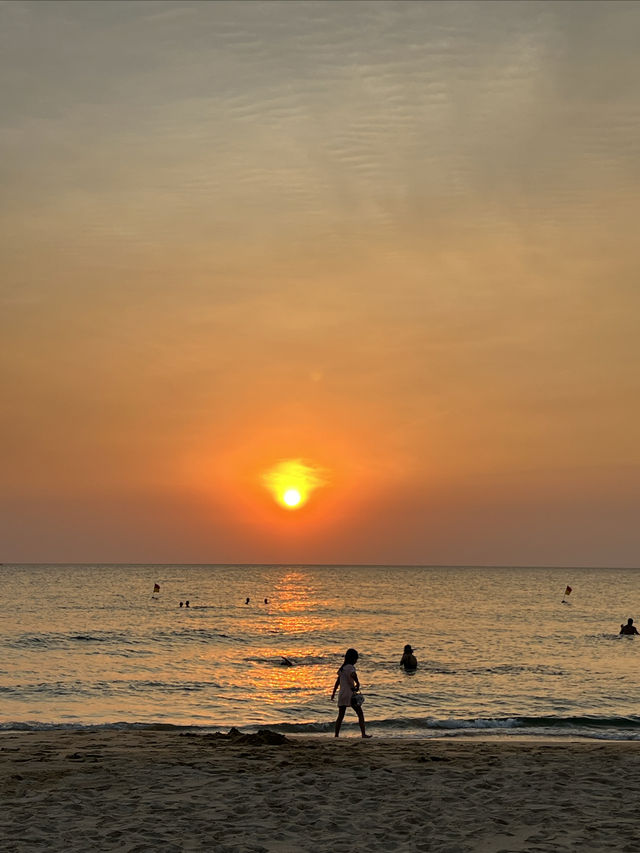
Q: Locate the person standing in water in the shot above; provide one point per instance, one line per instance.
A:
(348, 683)
(629, 628)
(408, 659)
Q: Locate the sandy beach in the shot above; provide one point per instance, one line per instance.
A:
(167, 791)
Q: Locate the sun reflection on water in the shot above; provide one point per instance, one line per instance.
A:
(295, 607)
(274, 682)
(290, 669)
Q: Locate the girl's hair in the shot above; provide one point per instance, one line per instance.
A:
(350, 656)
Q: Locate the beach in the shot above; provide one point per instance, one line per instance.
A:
(93, 790)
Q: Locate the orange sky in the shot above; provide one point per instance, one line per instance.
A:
(396, 241)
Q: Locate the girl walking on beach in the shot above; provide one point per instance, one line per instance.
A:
(348, 683)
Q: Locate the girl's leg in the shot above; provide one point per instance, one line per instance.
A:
(358, 710)
(341, 712)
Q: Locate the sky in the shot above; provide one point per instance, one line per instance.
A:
(387, 250)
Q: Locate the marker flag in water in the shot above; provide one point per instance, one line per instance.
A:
(567, 591)
(156, 587)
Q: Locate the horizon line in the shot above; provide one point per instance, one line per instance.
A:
(329, 565)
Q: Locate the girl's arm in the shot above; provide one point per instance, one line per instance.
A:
(335, 686)
(354, 680)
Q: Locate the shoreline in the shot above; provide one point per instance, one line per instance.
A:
(349, 731)
(150, 790)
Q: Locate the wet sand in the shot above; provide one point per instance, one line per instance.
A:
(167, 791)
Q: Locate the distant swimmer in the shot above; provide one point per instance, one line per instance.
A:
(286, 661)
(266, 601)
(629, 628)
(181, 604)
(248, 600)
(408, 659)
(186, 604)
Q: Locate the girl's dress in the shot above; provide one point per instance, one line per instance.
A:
(345, 694)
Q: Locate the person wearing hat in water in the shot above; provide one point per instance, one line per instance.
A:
(408, 659)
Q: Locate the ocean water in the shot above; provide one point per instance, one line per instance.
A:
(498, 651)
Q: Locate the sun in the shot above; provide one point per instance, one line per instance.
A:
(292, 481)
(292, 497)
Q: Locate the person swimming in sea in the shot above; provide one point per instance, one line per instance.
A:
(629, 628)
(408, 659)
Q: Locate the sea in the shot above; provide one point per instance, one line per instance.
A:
(502, 652)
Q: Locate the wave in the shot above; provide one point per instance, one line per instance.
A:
(31, 726)
(52, 640)
(113, 687)
(280, 660)
(118, 640)
(575, 724)
(510, 669)
(587, 726)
